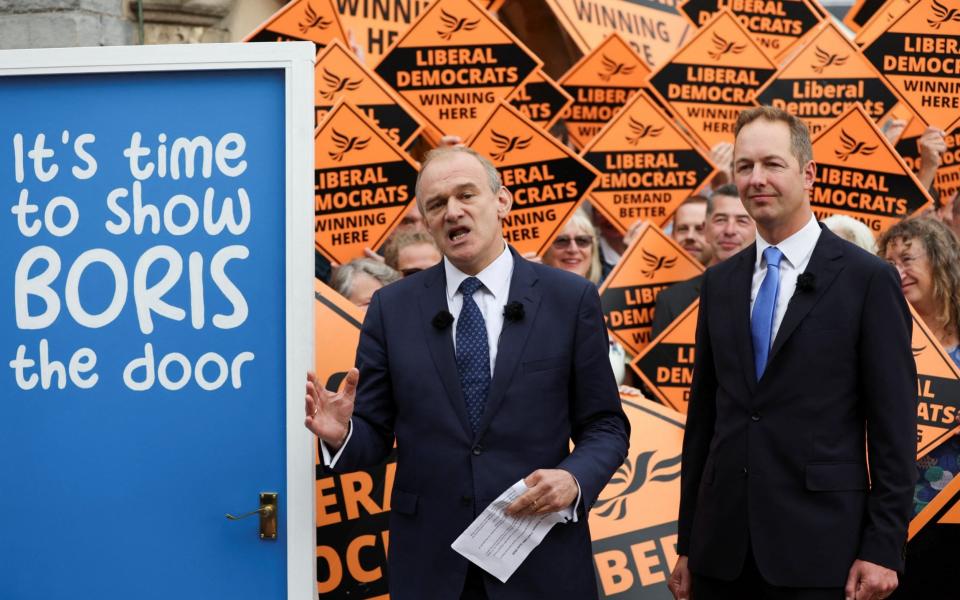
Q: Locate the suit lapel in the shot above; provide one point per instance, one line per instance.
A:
(741, 284)
(433, 300)
(513, 336)
(824, 266)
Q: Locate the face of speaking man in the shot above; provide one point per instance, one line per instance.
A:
(729, 228)
(773, 184)
(462, 212)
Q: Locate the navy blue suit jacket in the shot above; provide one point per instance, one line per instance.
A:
(781, 463)
(552, 383)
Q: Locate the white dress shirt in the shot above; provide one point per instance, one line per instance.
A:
(491, 298)
(796, 250)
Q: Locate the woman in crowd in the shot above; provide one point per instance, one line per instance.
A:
(927, 256)
(576, 249)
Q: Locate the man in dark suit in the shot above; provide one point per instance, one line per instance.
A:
(728, 230)
(803, 346)
(484, 367)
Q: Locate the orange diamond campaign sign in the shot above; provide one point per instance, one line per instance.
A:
(823, 80)
(860, 13)
(547, 180)
(648, 166)
(859, 174)
(653, 28)
(878, 23)
(634, 522)
(666, 364)
(363, 183)
(947, 179)
(540, 99)
(713, 77)
(338, 75)
(629, 293)
(454, 64)
(601, 83)
(776, 25)
(938, 390)
(301, 20)
(376, 24)
(353, 509)
(919, 54)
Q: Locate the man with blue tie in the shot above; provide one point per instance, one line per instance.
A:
(803, 347)
(485, 368)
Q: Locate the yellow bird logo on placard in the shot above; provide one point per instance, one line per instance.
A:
(507, 144)
(944, 15)
(612, 67)
(655, 263)
(313, 20)
(454, 24)
(346, 144)
(337, 84)
(826, 59)
(641, 131)
(851, 146)
(722, 47)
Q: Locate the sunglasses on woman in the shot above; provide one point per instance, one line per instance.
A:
(582, 241)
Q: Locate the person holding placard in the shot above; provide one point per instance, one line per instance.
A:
(483, 368)
(803, 346)
(927, 256)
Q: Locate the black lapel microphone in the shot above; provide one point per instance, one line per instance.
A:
(442, 320)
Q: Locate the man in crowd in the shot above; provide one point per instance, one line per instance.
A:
(729, 230)
(794, 364)
(411, 252)
(358, 279)
(483, 368)
(688, 223)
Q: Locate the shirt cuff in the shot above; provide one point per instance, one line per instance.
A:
(570, 512)
(332, 462)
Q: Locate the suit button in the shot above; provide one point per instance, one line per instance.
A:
(466, 500)
(755, 416)
(477, 450)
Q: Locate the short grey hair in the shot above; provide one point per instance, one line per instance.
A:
(343, 276)
(493, 176)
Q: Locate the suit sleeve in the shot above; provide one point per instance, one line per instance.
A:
(600, 429)
(701, 416)
(663, 313)
(888, 380)
(371, 437)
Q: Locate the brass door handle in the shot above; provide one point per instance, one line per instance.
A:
(268, 515)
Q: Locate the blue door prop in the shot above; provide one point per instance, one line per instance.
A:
(143, 333)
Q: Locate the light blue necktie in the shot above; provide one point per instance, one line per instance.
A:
(764, 309)
(473, 353)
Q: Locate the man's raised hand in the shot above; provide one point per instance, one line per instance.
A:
(328, 413)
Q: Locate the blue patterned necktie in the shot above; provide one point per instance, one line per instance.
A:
(473, 353)
(764, 309)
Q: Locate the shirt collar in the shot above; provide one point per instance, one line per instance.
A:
(495, 278)
(797, 248)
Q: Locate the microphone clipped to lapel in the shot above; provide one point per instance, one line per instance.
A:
(442, 320)
(513, 311)
(806, 282)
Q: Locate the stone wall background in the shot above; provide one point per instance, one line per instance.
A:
(69, 23)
